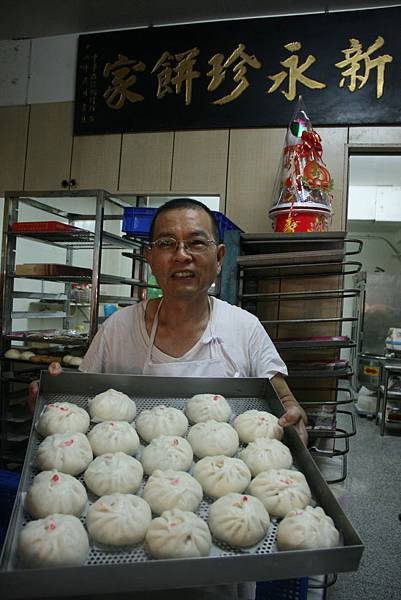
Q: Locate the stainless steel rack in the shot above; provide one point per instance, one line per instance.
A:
(294, 284)
(101, 216)
(387, 394)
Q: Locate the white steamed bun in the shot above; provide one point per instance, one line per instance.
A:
(112, 405)
(166, 490)
(204, 407)
(111, 473)
(161, 420)
(75, 361)
(55, 492)
(167, 452)
(212, 438)
(26, 355)
(253, 424)
(220, 475)
(62, 417)
(113, 436)
(68, 452)
(56, 541)
(264, 454)
(178, 534)
(281, 490)
(118, 519)
(307, 529)
(238, 520)
(12, 353)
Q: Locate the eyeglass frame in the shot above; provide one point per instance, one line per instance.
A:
(208, 243)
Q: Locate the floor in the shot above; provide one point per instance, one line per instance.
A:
(371, 498)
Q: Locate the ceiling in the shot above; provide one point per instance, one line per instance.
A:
(41, 18)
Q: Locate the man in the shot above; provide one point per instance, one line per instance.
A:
(188, 333)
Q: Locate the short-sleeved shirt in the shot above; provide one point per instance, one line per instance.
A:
(121, 344)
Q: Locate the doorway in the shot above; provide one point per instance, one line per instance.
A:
(374, 217)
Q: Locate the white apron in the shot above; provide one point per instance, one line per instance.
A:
(215, 366)
(212, 367)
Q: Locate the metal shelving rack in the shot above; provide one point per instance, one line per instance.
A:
(260, 263)
(387, 395)
(106, 208)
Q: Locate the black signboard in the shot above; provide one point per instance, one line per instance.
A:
(245, 73)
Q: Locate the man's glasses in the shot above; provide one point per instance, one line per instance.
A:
(193, 245)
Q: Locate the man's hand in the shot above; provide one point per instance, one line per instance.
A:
(54, 369)
(294, 414)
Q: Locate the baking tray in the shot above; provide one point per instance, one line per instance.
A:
(51, 270)
(293, 258)
(121, 572)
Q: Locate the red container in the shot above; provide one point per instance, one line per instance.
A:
(43, 227)
(300, 220)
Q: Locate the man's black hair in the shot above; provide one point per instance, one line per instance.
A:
(185, 203)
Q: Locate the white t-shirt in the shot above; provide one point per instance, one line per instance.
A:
(121, 344)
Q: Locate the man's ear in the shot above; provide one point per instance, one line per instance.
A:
(148, 255)
(221, 250)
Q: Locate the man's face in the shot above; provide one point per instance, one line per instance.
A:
(179, 273)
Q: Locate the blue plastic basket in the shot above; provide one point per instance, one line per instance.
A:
(137, 221)
(282, 589)
(8, 489)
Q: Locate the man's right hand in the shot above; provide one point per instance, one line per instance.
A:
(54, 369)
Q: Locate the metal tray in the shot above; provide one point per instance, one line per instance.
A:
(120, 572)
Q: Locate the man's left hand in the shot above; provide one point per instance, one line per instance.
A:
(294, 416)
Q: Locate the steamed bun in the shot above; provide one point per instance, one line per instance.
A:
(178, 534)
(118, 519)
(68, 452)
(161, 420)
(253, 424)
(307, 529)
(220, 475)
(56, 541)
(167, 452)
(281, 490)
(54, 491)
(264, 454)
(212, 437)
(166, 490)
(113, 436)
(238, 520)
(12, 353)
(111, 473)
(111, 405)
(62, 417)
(204, 407)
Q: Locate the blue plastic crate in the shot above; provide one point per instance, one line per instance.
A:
(224, 224)
(137, 221)
(8, 489)
(282, 589)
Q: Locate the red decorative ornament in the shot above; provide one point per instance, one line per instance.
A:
(303, 191)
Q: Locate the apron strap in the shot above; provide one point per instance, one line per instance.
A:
(153, 334)
(215, 340)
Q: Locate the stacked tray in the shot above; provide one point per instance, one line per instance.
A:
(129, 571)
